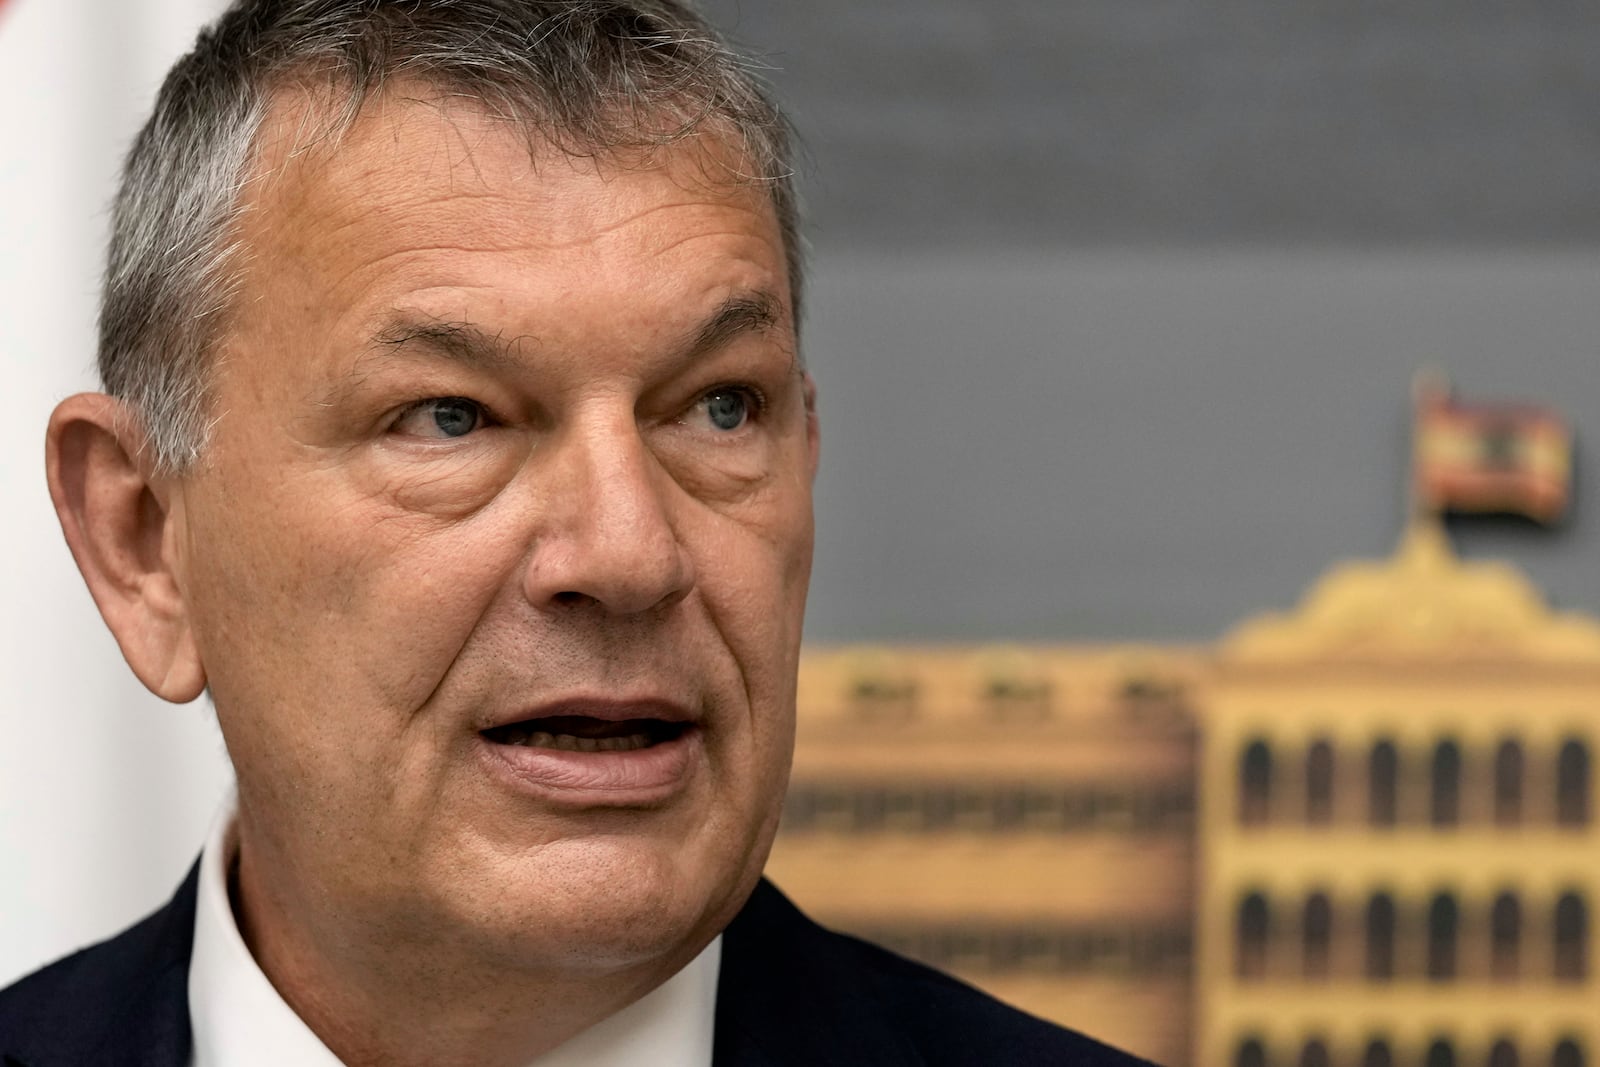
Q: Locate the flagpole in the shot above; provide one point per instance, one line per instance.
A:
(1430, 390)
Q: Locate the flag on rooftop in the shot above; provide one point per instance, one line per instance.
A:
(1489, 458)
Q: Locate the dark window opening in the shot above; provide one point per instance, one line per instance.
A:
(1250, 1054)
(1572, 784)
(1319, 783)
(1377, 1055)
(1254, 921)
(1316, 929)
(1504, 1054)
(1255, 783)
(1383, 769)
(1508, 783)
(1442, 938)
(1505, 936)
(1445, 809)
(1567, 1054)
(1314, 1054)
(1441, 1054)
(1572, 939)
(1380, 937)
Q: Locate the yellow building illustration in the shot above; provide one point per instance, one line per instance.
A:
(1356, 834)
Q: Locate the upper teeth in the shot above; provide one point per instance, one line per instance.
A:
(573, 743)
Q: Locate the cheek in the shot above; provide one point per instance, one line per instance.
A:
(754, 570)
(310, 608)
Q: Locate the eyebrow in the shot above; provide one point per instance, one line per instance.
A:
(756, 312)
(753, 311)
(461, 342)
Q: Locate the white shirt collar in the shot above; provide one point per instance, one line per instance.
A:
(239, 1020)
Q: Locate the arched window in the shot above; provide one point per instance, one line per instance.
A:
(1316, 932)
(1441, 1054)
(1508, 783)
(1442, 939)
(1383, 770)
(1377, 1054)
(1567, 1054)
(1572, 939)
(1255, 783)
(1505, 936)
(1503, 1054)
(1314, 1054)
(1572, 784)
(1445, 806)
(1250, 1054)
(1380, 936)
(1319, 782)
(1254, 923)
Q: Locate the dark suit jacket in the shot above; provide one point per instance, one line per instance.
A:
(791, 995)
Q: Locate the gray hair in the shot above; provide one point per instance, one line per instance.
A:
(588, 76)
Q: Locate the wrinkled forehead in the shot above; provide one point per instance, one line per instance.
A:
(317, 139)
(431, 209)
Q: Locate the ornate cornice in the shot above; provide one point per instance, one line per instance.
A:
(1421, 606)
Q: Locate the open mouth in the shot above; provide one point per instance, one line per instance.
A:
(580, 733)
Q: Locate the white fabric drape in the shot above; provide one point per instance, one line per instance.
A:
(105, 792)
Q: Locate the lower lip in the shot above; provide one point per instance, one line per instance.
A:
(635, 778)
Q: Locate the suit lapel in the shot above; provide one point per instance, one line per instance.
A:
(152, 1029)
(790, 995)
(123, 1003)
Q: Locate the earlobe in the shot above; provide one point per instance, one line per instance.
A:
(118, 522)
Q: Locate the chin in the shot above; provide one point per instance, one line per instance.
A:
(605, 903)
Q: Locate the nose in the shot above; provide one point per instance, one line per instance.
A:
(608, 537)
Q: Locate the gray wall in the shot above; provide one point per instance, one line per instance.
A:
(940, 122)
(1157, 444)
(1116, 305)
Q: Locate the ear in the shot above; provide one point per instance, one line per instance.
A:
(813, 427)
(118, 521)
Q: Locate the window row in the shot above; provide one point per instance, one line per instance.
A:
(1387, 785)
(1380, 940)
(1441, 1052)
(1022, 696)
(820, 807)
(1109, 949)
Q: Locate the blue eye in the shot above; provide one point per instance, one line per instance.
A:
(727, 409)
(456, 417)
(446, 416)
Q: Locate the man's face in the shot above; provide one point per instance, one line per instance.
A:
(497, 561)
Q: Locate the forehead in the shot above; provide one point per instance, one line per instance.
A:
(418, 165)
(432, 207)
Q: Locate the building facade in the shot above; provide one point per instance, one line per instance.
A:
(1359, 833)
